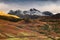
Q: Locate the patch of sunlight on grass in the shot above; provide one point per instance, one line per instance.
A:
(2, 13)
(17, 39)
(26, 39)
(47, 39)
(23, 34)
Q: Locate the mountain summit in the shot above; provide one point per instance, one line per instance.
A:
(32, 11)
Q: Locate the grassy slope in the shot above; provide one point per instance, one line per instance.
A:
(35, 30)
(12, 31)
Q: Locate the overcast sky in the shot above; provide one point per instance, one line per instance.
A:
(42, 5)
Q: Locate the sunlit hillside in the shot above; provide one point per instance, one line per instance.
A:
(8, 15)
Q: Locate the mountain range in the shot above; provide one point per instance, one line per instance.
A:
(30, 12)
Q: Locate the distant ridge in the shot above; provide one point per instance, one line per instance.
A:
(56, 16)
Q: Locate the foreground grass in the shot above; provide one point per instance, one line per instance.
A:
(17, 39)
(28, 39)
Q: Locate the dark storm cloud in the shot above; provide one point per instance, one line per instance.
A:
(42, 5)
(27, 1)
(24, 0)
